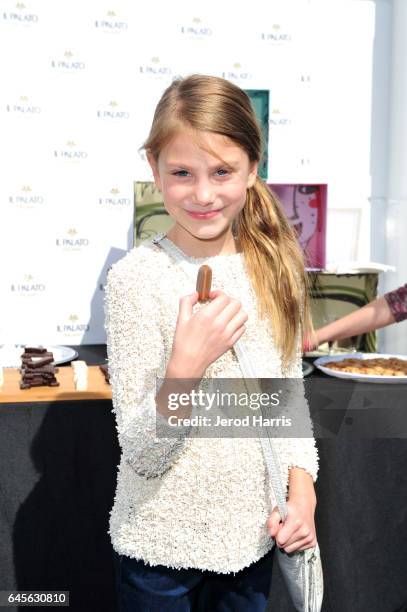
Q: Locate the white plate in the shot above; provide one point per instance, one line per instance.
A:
(375, 378)
(307, 368)
(10, 354)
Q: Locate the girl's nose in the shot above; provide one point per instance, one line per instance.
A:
(204, 192)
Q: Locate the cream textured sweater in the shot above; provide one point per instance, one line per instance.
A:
(192, 503)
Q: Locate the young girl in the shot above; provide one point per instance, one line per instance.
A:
(192, 527)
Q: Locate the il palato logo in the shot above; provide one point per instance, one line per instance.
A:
(112, 110)
(237, 73)
(111, 23)
(25, 198)
(278, 118)
(114, 199)
(28, 286)
(23, 106)
(20, 15)
(277, 35)
(71, 152)
(196, 29)
(68, 63)
(72, 241)
(73, 326)
(155, 68)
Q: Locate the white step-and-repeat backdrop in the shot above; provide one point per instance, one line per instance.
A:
(79, 83)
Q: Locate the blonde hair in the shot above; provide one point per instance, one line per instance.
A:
(273, 257)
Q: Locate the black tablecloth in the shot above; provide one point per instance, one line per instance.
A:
(58, 465)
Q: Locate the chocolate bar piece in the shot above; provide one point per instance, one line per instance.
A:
(44, 370)
(105, 370)
(203, 282)
(41, 362)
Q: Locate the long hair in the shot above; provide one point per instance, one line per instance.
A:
(273, 257)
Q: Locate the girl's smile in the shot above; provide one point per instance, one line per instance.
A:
(207, 215)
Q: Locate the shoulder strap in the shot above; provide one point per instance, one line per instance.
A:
(269, 452)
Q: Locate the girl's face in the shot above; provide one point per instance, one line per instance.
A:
(202, 194)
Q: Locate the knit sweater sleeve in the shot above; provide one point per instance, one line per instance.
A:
(297, 452)
(136, 358)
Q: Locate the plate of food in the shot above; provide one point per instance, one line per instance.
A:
(307, 368)
(365, 367)
(10, 355)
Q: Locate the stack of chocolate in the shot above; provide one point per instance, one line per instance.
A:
(105, 371)
(37, 368)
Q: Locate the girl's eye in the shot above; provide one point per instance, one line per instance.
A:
(185, 173)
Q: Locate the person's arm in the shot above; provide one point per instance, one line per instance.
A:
(397, 301)
(135, 349)
(373, 316)
(299, 460)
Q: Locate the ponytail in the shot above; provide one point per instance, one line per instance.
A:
(275, 265)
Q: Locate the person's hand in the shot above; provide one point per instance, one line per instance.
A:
(298, 530)
(202, 337)
(310, 341)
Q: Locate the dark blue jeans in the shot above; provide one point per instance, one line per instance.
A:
(144, 588)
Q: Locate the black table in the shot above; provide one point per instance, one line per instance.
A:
(58, 466)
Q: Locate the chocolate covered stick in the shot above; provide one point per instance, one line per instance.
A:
(203, 282)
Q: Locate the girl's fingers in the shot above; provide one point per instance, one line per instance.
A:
(238, 333)
(236, 323)
(287, 539)
(185, 305)
(273, 522)
(298, 536)
(231, 317)
(302, 544)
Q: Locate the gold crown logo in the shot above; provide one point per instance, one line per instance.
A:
(113, 103)
(68, 54)
(20, 6)
(276, 111)
(26, 188)
(114, 191)
(72, 232)
(155, 60)
(237, 65)
(111, 13)
(70, 143)
(23, 98)
(276, 26)
(73, 317)
(28, 277)
(196, 20)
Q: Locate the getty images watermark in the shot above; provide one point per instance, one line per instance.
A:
(209, 402)
(285, 408)
(232, 408)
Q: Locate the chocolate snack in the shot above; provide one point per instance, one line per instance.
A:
(37, 372)
(203, 282)
(105, 370)
(41, 362)
(34, 350)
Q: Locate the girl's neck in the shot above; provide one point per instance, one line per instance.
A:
(226, 244)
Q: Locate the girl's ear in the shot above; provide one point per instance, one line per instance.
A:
(252, 174)
(154, 168)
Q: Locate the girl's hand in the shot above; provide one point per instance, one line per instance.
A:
(203, 337)
(298, 530)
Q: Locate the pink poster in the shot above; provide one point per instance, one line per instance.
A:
(306, 209)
